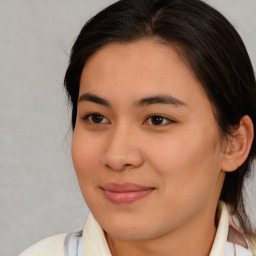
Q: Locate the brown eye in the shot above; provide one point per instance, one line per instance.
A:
(158, 120)
(96, 119)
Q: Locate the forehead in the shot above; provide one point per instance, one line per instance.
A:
(143, 54)
(138, 68)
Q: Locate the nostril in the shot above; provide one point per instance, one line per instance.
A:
(119, 167)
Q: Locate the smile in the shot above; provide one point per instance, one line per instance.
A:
(125, 193)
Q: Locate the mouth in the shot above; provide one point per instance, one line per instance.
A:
(125, 193)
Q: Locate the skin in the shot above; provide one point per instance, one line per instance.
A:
(181, 158)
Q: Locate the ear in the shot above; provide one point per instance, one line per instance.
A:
(238, 145)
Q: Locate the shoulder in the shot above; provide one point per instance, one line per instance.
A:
(50, 246)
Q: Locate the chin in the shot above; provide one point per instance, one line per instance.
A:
(129, 231)
(128, 234)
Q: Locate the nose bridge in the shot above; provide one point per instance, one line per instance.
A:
(122, 150)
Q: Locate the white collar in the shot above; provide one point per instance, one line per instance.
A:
(94, 239)
(218, 247)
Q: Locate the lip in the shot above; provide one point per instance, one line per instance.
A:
(125, 193)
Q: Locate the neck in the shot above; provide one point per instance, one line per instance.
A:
(194, 238)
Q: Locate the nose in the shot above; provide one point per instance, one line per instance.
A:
(123, 150)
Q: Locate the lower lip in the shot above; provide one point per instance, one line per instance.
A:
(126, 197)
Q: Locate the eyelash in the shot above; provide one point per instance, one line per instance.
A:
(88, 119)
(91, 115)
(166, 120)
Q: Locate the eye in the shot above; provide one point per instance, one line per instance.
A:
(96, 118)
(157, 120)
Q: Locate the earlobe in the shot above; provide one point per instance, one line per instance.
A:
(238, 145)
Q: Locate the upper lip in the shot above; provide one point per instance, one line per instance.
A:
(124, 187)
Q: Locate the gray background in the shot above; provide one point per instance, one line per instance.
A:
(39, 194)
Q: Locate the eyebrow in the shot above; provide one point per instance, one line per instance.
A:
(93, 98)
(156, 99)
(160, 99)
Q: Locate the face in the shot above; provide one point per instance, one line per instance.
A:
(146, 145)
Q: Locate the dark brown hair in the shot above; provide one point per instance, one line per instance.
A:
(210, 45)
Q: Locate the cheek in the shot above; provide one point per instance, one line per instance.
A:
(188, 161)
(85, 156)
(189, 169)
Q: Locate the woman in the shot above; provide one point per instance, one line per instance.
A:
(163, 98)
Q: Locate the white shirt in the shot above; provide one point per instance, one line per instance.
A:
(229, 241)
